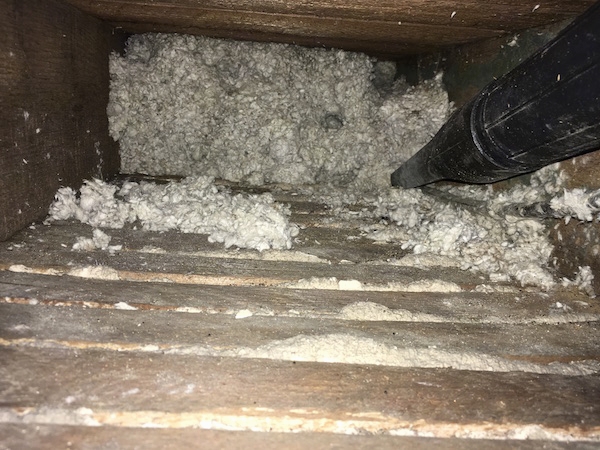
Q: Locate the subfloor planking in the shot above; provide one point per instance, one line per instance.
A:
(464, 307)
(569, 349)
(62, 436)
(170, 340)
(110, 388)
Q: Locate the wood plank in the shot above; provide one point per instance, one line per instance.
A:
(46, 248)
(74, 387)
(466, 307)
(318, 29)
(577, 244)
(53, 124)
(380, 49)
(506, 15)
(50, 248)
(52, 437)
(190, 269)
(329, 241)
(499, 347)
(390, 28)
(298, 26)
(582, 171)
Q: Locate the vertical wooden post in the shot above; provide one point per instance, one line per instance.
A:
(54, 85)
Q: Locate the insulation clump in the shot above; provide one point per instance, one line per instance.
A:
(583, 281)
(577, 203)
(99, 240)
(265, 113)
(194, 205)
(476, 228)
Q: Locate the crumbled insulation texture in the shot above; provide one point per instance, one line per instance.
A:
(350, 349)
(583, 281)
(332, 283)
(265, 113)
(99, 240)
(334, 122)
(194, 205)
(577, 203)
(480, 235)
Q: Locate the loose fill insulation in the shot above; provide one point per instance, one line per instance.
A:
(333, 122)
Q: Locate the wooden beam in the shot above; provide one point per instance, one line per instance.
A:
(314, 29)
(409, 26)
(504, 14)
(189, 267)
(52, 437)
(463, 346)
(466, 307)
(382, 47)
(54, 92)
(577, 244)
(142, 389)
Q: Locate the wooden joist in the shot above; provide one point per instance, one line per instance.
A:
(135, 390)
(52, 437)
(389, 28)
(465, 346)
(465, 307)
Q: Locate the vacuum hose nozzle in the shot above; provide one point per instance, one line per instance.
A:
(545, 110)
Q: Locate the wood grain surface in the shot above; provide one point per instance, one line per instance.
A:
(179, 348)
(391, 28)
(53, 92)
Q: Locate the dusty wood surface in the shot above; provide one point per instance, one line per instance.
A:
(134, 389)
(201, 340)
(53, 124)
(53, 437)
(500, 344)
(389, 28)
(205, 270)
(577, 244)
(583, 171)
(188, 258)
(464, 307)
(320, 240)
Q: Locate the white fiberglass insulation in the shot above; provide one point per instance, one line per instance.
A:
(272, 113)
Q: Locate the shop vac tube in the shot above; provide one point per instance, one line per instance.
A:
(545, 110)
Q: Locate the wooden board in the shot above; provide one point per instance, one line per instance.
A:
(215, 344)
(465, 307)
(391, 28)
(53, 124)
(52, 437)
(577, 244)
(125, 389)
(328, 247)
(190, 267)
(181, 332)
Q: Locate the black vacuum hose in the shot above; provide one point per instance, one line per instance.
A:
(545, 110)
